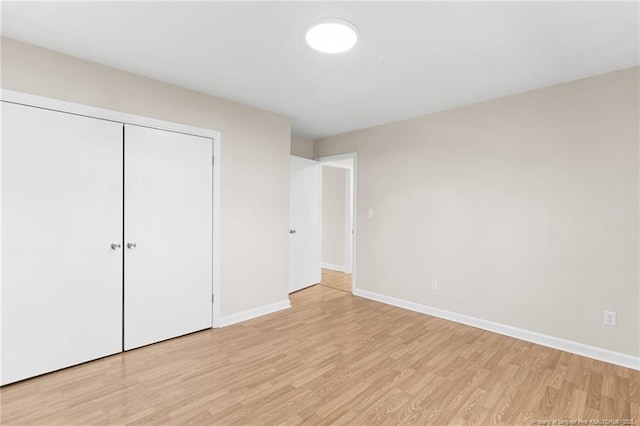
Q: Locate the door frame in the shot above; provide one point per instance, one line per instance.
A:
(126, 118)
(350, 240)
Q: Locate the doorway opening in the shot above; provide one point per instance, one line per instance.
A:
(338, 221)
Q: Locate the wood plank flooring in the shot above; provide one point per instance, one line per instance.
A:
(336, 280)
(331, 359)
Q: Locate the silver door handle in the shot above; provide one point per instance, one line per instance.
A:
(115, 246)
(131, 245)
(292, 231)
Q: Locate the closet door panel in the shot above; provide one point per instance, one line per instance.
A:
(61, 211)
(168, 235)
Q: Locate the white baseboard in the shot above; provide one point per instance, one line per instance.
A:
(577, 348)
(254, 313)
(333, 267)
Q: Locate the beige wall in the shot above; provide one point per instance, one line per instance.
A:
(255, 159)
(525, 209)
(334, 180)
(301, 146)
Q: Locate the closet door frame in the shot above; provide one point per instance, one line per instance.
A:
(126, 118)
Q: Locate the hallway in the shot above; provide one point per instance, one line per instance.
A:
(336, 280)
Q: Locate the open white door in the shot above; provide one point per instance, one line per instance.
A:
(304, 223)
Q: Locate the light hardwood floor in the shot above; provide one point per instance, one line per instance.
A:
(336, 279)
(332, 358)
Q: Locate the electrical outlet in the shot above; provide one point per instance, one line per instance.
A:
(610, 318)
(434, 284)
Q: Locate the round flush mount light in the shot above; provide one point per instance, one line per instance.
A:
(332, 35)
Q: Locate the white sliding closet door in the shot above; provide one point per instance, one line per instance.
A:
(168, 235)
(61, 212)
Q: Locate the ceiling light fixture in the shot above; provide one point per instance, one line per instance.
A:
(332, 35)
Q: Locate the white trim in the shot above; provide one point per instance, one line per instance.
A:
(254, 313)
(126, 118)
(337, 165)
(336, 157)
(333, 267)
(217, 227)
(354, 205)
(104, 114)
(577, 348)
(348, 237)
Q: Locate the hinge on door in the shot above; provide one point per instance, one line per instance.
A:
(212, 297)
(213, 160)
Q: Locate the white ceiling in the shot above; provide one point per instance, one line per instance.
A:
(411, 59)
